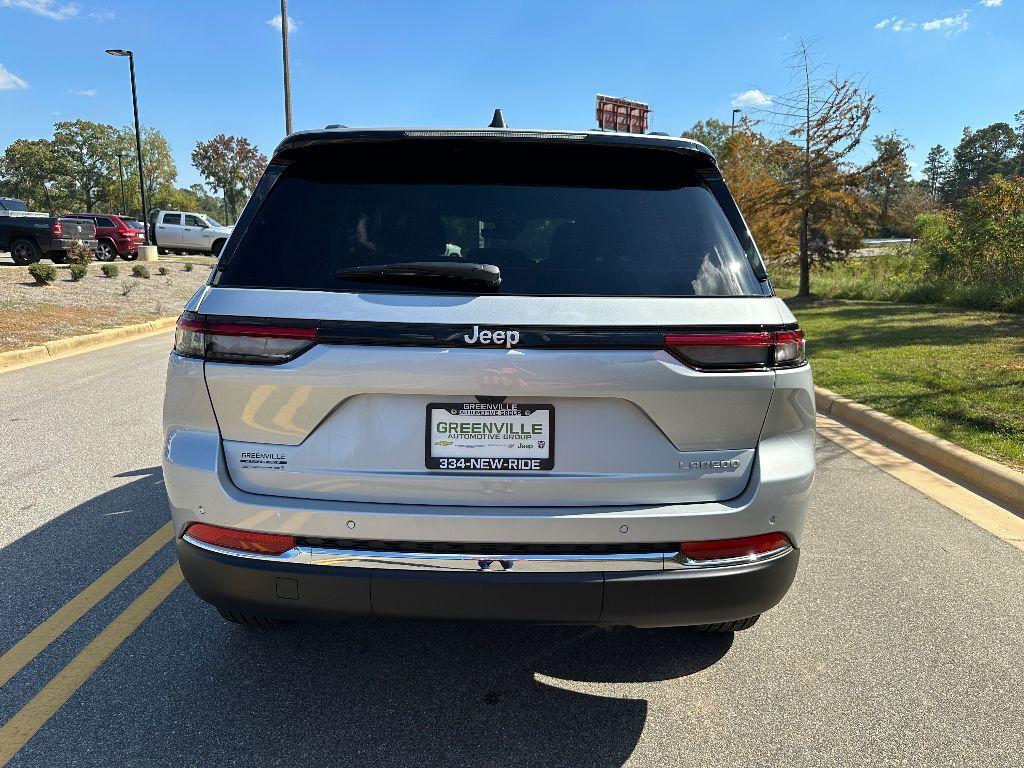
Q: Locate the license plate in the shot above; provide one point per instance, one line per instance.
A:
(490, 437)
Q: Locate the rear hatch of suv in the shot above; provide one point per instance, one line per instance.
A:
(495, 320)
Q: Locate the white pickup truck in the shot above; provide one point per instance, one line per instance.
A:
(188, 232)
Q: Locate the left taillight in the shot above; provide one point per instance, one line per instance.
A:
(739, 350)
(57, 229)
(255, 542)
(228, 342)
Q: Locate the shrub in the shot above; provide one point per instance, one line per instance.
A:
(78, 253)
(110, 270)
(189, 266)
(163, 270)
(140, 270)
(44, 274)
(127, 286)
(78, 272)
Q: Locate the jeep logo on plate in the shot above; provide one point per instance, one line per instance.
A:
(508, 338)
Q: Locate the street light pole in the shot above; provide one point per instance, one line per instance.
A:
(138, 139)
(120, 173)
(733, 129)
(287, 68)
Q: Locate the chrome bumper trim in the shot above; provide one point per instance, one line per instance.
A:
(477, 563)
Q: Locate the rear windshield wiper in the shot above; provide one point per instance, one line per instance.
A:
(426, 271)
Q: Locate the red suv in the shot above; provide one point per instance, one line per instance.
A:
(116, 236)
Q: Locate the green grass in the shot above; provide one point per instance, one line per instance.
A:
(955, 373)
(902, 274)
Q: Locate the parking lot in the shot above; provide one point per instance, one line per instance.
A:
(900, 644)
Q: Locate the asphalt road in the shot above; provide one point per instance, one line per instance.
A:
(900, 644)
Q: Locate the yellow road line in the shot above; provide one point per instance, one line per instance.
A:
(36, 641)
(17, 731)
(984, 513)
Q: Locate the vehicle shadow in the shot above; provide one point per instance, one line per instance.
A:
(187, 688)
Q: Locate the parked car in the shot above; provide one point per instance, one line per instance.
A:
(187, 232)
(30, 236)
(115, 236)
(598, 411)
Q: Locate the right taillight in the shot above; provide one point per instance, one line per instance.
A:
(57, 229)
(739, 350)
(229, 342)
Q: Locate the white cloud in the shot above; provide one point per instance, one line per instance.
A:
(991, 3)
(950, 25)
(105, 15)
(9, 80)
(276, 23)
(48, 8)
(896, 24)
(752, 98)
(83, 91)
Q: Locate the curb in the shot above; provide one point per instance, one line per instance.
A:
(17, 358)
(990, 477)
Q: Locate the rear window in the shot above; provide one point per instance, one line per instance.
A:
(556, 220)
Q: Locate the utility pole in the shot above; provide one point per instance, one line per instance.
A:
(287, 68)
(733, 129)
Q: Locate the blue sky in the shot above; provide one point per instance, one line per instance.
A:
(211, 67)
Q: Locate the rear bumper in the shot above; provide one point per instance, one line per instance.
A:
(304, 592)
(63, 243)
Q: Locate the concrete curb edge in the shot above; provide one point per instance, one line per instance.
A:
(991, 478)
(16, 358)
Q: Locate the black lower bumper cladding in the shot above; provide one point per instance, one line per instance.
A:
(667, 598)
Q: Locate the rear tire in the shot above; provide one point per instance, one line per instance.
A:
(249, 619)
(105, 251)
(57, 258)
(162, 251)
(729, 626)
(24, 252)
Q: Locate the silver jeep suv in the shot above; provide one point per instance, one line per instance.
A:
(489, 374)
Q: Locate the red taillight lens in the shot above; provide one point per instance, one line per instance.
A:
(243, 541)
(749, 547)
(56, 229)
(241, 342)
(739, 350)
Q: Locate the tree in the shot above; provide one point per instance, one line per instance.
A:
(979, 156)
(757, 170)
(915, 200)
(826, 116)
(206, 203)
(887, 176)
(28, 172)
(158, 165)
(712, 133)
(936, 170)
(229, 164)
(85, 157)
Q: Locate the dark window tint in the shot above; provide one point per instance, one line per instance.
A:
(556, 220)
(102, 221)
(171, 218)
(194, 221)
(133, 223)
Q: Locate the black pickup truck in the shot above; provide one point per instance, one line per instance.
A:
(30, 236)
